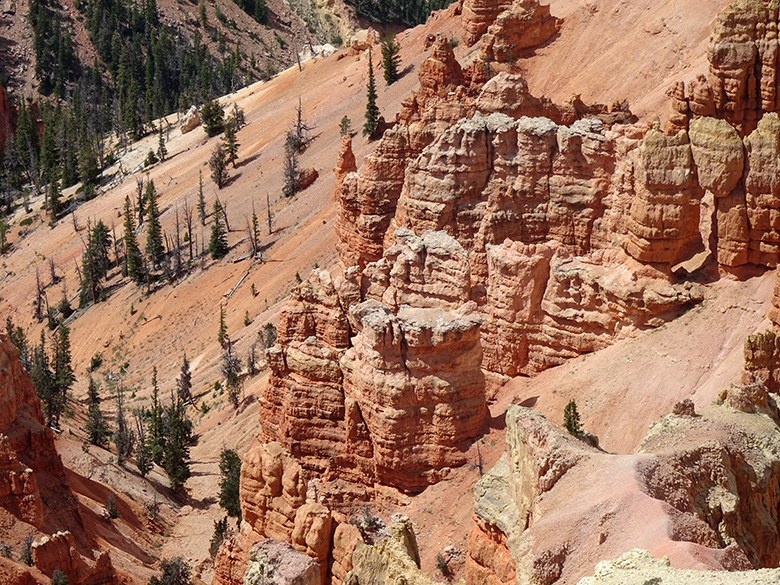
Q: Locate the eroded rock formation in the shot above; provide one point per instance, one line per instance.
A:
(704, 485)
(524, 24)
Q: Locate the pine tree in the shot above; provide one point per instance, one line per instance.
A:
(154, 245)
(162, 151)
(43, 380)
(176, 460)
(124, 438)
(184, 381)
(231, 369)
(62, 371)
(202, 13)
(201, 199)
(218, 166)
(391, 59)
(230, 143)
(213, 117)
(156, 437)
(372, 110)
(218, 244)
(96, 425)
(571, 418)
(55, 196)
(222, 334)
(143, 455)
(133, 258)
(230, 470)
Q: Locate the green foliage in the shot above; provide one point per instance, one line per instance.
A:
(571, 418)
(53, 377)
(230, 143)
(95, 263)
(25, 556)
(113, 511)
(231, 369)
(124, 438)
(247, 320)
(221, 534)
(218, 244)
(202, 13)
(176, 458)
(405, 12)
(134, 264)
(96, 427)
(184, 381)
(230, 472)
(59, 578)
(345, 126)
(373, 118)
(213, 117)
(391, 59)
(154, 244)
(257, 9)
(268, 335)
(175, 571)
(155, 432)
(222, 334)
(162, 150)
(218, 166)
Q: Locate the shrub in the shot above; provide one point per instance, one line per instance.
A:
(571, 418)
(26, 555)
(221, 534)
(111, 508)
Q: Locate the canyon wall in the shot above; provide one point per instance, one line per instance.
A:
(34, 488)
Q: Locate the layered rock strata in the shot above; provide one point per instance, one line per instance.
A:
(394, 402)
(34, 488)
(704, 485)
(524, 24)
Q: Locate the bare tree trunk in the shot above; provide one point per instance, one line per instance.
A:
(270, 217)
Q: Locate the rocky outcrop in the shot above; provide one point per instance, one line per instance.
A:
(345, 163)
(190, 120)
(663, 223)
(524, 24)
(762, 359)
(393, 560)
(478, 15)
(638, 567)
(415, 390)
(701, 487)
(18, 487)
(367, 200)
(278, 563)
(58, 552)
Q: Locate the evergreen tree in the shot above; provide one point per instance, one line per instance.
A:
(230, 470)
(154, 244)
(55, 197)
(222, 334)
(213, 117)
(201, 199)
(124, 438)
(162, 151)
(143, 455)
(133, 258)
(231, 369)
(43, 379)
(176, 460)
(62, 370)
(230, 143)
(184, 381)
(571, 418)
(291, 184)
(218, 244)
(202, 13)
(391, 59)
(95, 263)
(175, 571)
(88, 171)
(373, 117)
(156, 437)
(218, 166)
(96, 425)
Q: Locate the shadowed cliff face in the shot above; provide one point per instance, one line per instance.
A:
(34, 488)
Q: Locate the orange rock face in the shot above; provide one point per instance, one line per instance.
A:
(524, 24)
(478, 15)
(346, 161)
